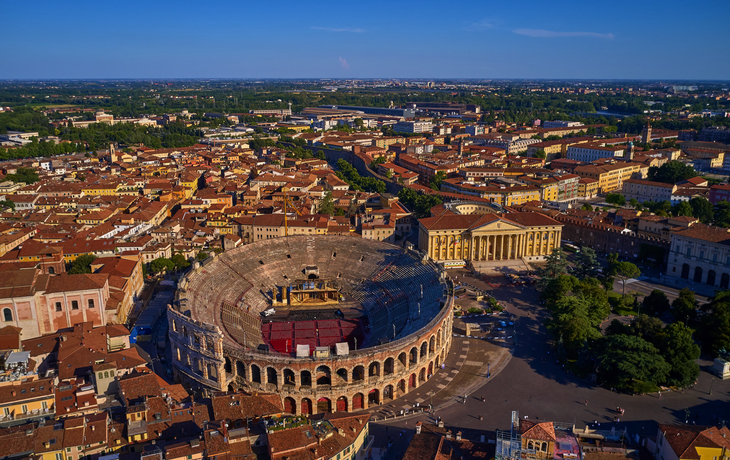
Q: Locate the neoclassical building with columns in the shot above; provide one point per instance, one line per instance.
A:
(472, 234)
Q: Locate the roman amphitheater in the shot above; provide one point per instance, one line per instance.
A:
(331, 323)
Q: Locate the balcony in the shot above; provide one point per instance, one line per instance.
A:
(136, 427)
(19, 418)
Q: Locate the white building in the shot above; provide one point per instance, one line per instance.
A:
(593, 152)
(413, 127)
(561, 124)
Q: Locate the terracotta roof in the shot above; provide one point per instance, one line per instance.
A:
(706, 233)
(544, 431)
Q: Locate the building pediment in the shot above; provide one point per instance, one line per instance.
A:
(496, 226)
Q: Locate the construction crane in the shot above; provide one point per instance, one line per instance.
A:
(287, 201)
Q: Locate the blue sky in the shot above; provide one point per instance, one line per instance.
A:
(427, 39)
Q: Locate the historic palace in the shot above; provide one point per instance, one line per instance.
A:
(469, 233)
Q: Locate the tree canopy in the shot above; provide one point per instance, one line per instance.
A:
(671, 172)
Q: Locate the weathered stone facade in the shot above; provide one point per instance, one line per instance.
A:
(404, 297)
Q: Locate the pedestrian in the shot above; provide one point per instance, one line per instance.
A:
(586, 403)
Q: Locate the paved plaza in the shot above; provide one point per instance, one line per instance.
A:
(531, 382)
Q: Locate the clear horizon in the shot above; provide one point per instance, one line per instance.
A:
(564, 40)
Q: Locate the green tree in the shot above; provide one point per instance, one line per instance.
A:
(7, 204)
(616, 198)
(714, 329)
(437, 179)
(556, 264)
(558, 288)
(656, 303)
(27, 175)
(684, 307)
(672, 172)
(647, 327)
(327, 205)
(702, 209)
(202, 256)
(625, 271)
(161, 264)
(625, 361)
(540, 153)
(586, 264)
(180, 261)
(682, 208)
(571, 322)
(82, 264)
(681, 353)
(587, 207)
(722, 214)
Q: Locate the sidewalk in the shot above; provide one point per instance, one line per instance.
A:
(465, 370)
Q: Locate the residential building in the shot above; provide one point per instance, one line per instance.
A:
(645, 190)
(413, 127)
(593, 152)
(701, 253)
(691, 442)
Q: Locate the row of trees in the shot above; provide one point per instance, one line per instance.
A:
(349, 174)
(419, 203)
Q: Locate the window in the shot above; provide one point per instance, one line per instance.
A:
(702, 255)
(7, 314)
(24, 408)
(44, 404)
(91, 303)
(59, 307)
(106, 375)
(714, 257)
(74, 305)
(101, 375)
(689, 252)
(59, 456)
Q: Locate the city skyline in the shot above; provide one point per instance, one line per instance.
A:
(563, 40)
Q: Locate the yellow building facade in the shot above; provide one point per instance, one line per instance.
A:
(488, 237)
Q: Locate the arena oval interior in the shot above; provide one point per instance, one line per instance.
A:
(330, 323)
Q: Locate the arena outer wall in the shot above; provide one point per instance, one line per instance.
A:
(364, 378)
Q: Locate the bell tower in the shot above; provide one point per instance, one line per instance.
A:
(646, 133)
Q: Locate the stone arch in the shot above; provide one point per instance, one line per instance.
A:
(272, 376)
(430, 369)
(212, 372)
(324, 376)
(230, 388)
(698, 274)
(306, 406)
(373, 397)
(431, 345)
(342, 404)
(358, 373)
(306, 380)
(374, 369)
(240, 369)
(324, 405)
(228, 366)
(413, 356)
(438, 338)
(358, 401)
(389, 366)
(422, 375)
(401, 388)
(403, 358)
(424, 350)
(288, 376)
(290, 405)
(388, 393)
(412, 382)
(685, 271)
(724, 281)
(255, 373)
(711, 275)
(342, 374)
(185, 332)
